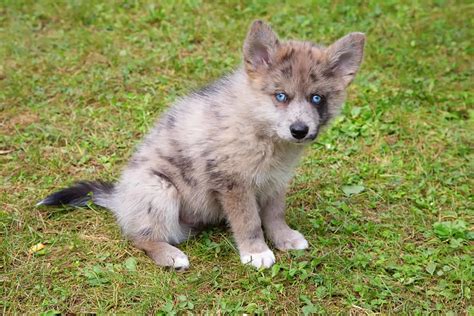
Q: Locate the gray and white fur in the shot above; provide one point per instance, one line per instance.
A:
(226, 153)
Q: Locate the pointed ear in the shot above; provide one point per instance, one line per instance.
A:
(345, 56)
(259, 46)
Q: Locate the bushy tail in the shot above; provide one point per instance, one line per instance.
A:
(80, 193)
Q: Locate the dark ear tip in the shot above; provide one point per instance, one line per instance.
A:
(257, 24)
(358, 37)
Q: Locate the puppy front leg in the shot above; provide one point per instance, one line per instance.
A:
(241, 209)
(276, 228)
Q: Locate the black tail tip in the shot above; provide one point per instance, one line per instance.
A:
(78, 194)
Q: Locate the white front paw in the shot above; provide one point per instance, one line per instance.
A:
(290, 240)
(262, 259)
(180, 262)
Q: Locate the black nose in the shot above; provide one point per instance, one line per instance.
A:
(299, 130)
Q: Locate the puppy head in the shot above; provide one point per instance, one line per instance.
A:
(303, 83)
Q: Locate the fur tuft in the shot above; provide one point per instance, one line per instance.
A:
(80, 193)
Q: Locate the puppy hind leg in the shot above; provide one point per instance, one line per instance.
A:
(147, 209)
(149, 202)
(163, 254)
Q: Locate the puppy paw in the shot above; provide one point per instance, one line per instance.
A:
(290, 240)
(263, 259)
(180, 262)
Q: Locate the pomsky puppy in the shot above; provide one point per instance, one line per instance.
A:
(226, 153)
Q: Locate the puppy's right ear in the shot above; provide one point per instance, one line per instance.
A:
(259, 46)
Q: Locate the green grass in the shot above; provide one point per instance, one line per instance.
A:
(82, 81)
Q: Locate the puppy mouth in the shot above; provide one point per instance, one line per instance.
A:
(307, 139)
(303, 141)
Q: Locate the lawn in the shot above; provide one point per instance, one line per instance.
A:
(384, 197)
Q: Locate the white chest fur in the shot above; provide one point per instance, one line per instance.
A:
(276, 167)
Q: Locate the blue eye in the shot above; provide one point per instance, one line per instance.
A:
(281, 97)
(316, 99)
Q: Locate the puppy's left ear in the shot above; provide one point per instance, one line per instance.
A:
(345, 56)
(259, 46)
